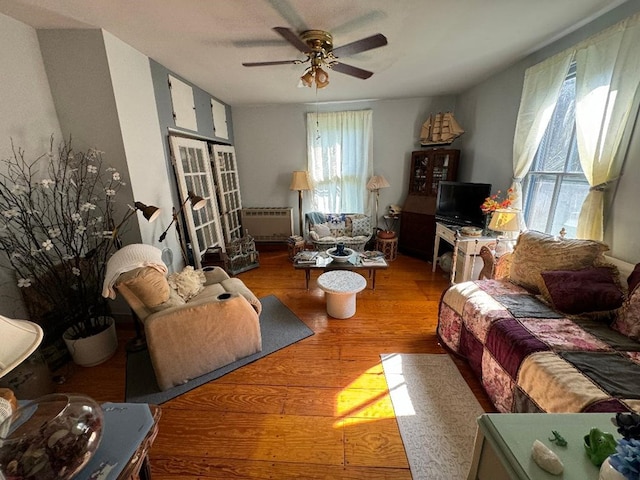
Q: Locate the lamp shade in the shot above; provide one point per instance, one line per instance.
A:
(149, 212)
(300, 181)
(20, 338)
(197, 202)
(377, 182)
(505, 220)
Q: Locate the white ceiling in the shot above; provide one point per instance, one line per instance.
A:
(435, 47)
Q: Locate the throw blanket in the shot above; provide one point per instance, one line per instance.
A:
(129, 258)
(532, 359)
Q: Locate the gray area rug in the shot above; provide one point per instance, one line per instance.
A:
(279, 327)
(436, 413)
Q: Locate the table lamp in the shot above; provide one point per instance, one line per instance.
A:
(20, 338)
(507, 222)
(300, 182)
(374, 184)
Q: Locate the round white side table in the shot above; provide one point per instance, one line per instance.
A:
(340, 287)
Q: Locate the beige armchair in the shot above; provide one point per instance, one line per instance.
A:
(186, 339)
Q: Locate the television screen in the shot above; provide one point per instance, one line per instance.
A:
(459, 203)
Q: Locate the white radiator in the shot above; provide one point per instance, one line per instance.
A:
(268, 224)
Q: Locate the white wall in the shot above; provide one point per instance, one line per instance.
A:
(489, 112)
(140, 128)
(27, 116)
(271, 142)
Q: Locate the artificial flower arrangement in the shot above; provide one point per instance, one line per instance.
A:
(626, 458)
(493, 203)
(57, 231)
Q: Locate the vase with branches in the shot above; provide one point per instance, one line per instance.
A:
(57, 230)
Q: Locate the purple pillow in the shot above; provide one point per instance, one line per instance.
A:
(634, 279)
(578, 291)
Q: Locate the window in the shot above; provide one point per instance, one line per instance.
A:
(339, 146)
(555, 187)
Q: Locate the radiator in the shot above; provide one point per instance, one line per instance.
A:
(268, 224)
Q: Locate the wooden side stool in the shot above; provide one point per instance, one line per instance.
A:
(388, 246)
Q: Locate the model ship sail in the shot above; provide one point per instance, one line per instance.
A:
(440, 129)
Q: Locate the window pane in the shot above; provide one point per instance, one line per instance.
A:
(572, 194)
(554, 147)
(539, 200)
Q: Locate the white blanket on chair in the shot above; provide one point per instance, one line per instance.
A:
(129, 258)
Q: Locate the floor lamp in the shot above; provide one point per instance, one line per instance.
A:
(374, 184)
(300, 182)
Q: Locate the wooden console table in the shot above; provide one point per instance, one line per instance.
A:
(465, 249)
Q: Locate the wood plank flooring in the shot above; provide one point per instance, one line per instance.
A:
(316, 410)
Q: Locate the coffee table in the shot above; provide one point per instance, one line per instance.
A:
(355, 263)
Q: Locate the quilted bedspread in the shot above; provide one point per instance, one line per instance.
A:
(532, 359)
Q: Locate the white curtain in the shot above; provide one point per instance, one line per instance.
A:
(542, 84)
(607, 80)
(339, 152)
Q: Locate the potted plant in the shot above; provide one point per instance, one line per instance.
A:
(57, 230)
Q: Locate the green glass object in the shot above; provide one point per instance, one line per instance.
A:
(599, 445)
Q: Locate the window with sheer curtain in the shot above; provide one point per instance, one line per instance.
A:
(555, 187)
(601, 98)
(339, 151)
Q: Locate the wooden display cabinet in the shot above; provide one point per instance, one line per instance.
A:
(418, 225)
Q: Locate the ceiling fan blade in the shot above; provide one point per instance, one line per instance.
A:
(277, 62)
(374, 41)
(292, 38)
(351, 70)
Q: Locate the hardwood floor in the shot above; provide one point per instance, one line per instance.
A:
(318, 409)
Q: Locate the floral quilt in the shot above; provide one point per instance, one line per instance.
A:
(532, 359)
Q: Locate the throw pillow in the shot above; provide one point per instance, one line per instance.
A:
(174, 300)
(537, 252)
(628, 320)
(146, 283)
(336, 221)
(188, 283)
(321, 229)
(578, 291)
(633, 280)
(360, 225)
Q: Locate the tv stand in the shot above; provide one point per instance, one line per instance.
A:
(465, 250)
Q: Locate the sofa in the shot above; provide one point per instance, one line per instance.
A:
(559, 334)
(195, 321)
(326, 230)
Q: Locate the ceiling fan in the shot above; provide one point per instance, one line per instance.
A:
(317, 45)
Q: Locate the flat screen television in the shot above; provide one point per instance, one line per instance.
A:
(458, 203)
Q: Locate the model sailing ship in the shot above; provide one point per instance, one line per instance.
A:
(440, 129)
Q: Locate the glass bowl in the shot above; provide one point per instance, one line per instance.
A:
(52, 437)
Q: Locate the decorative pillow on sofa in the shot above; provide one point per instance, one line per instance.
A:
(579, 291)
(321, 229)
(628, 319)
(537, 252)
(188, 283)
(360, 225)
(633, 280)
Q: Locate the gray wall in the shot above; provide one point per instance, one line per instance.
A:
(28, 119)
(271, 142)
(489, 111)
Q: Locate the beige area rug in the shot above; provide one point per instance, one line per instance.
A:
(436, 413)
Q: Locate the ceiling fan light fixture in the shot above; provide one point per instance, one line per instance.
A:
(307, 78)
(322, 78)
